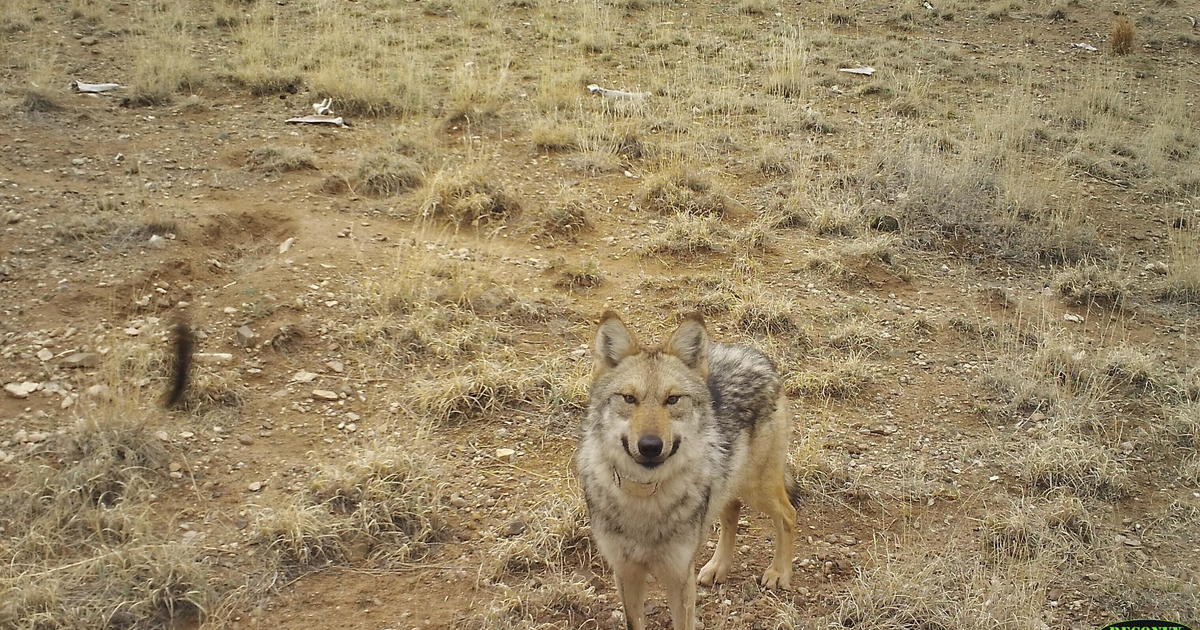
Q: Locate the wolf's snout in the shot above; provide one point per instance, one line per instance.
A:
(650, 446)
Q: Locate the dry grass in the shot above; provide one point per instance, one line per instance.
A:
(1051, 528)
(787, 67)
(1182, 282)
(158, 77)
(1120, 39)
(937, 591)
(683, 190)
(82, 548)
(281, 159)
(1089, 284)
(385, 506)
(848, 377)
(688, 235)
(556, 541)
(385, 173)
(476, 95)
(1067, 464)
(470, 196)
(566, 220)
(553, 135)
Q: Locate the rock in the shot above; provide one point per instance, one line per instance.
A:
(22, 390)
(505, 454)
(304, 377)
(156, 242)
(45, 354)
(97, 390)
(255, 486)
(245, 440)
(1073, 318)
(336, 366)
(515, 528)
(187, 435)
(244, 337)
(324, 394)
(458, 502)
(885, 429)
(212, 357)
(89, 41)
(81, 360)
(286, 245)
(1159, 268)
(162, 436)
(885, 223)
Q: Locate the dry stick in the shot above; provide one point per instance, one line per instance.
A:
(1107, 181)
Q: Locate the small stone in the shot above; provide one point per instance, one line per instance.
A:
(187, 435)
(255, 486)
(244, 337)
(97, 390)
(81, 360)
(22, 390)
(324, 394)
(458, 502)
(336, 366)
(515, 528)
(286, 245)
(89, 41)
(304, 377)
(45, 354)
(1131, 541)
(1073, 318)
(505, 454)
(212, 357)
(245, 440)
(156, 242)
(885, 223)
(162, 436)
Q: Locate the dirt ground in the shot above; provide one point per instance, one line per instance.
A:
(979, 268)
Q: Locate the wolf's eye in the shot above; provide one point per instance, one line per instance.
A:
(671, 400)
(630, 399)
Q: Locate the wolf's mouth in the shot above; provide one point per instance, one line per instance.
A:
(650, 462)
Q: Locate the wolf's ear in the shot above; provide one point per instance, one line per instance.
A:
(613, 341)
(689, 342)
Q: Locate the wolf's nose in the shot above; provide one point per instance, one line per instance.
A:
(650, 445)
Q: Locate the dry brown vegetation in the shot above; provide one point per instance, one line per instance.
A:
(978, 270)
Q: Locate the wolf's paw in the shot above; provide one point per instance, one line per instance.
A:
(712, 573)
(775, 578)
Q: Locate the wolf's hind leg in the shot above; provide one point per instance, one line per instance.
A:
(783, 515)
(717, 568)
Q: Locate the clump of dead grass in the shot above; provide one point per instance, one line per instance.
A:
(848, 377)
(582, 276)
(1028, 528)
(385, 506)
(281, 159)
(1120, 38)
(556, 541)
(470, 196)
(684, 191)
(1090, 284)
(386, 173)
(1182, 281)
(787, 67)
(566, 220)
(81, 548)
(1068, 464)
(688, 235)
(157, 77)
(554, 602)
(936, 591)
(551, 136)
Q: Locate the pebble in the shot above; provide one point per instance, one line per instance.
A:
(45, 354)
(304, 377)
(244, 337)
(286, 245)
(255, 486)
(81, 360)
(245, 440)
(336, 366)
(505, 454)
(22, 390)
(324, 394)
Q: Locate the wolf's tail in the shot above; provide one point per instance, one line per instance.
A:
(184, 343)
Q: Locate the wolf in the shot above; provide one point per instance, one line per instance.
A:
(673, 437)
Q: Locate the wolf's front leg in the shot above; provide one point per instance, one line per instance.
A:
(631, 584)
(680, 584)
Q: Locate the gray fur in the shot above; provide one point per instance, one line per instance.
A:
(715, 420)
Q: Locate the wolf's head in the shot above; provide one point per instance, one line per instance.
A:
(649, 401)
